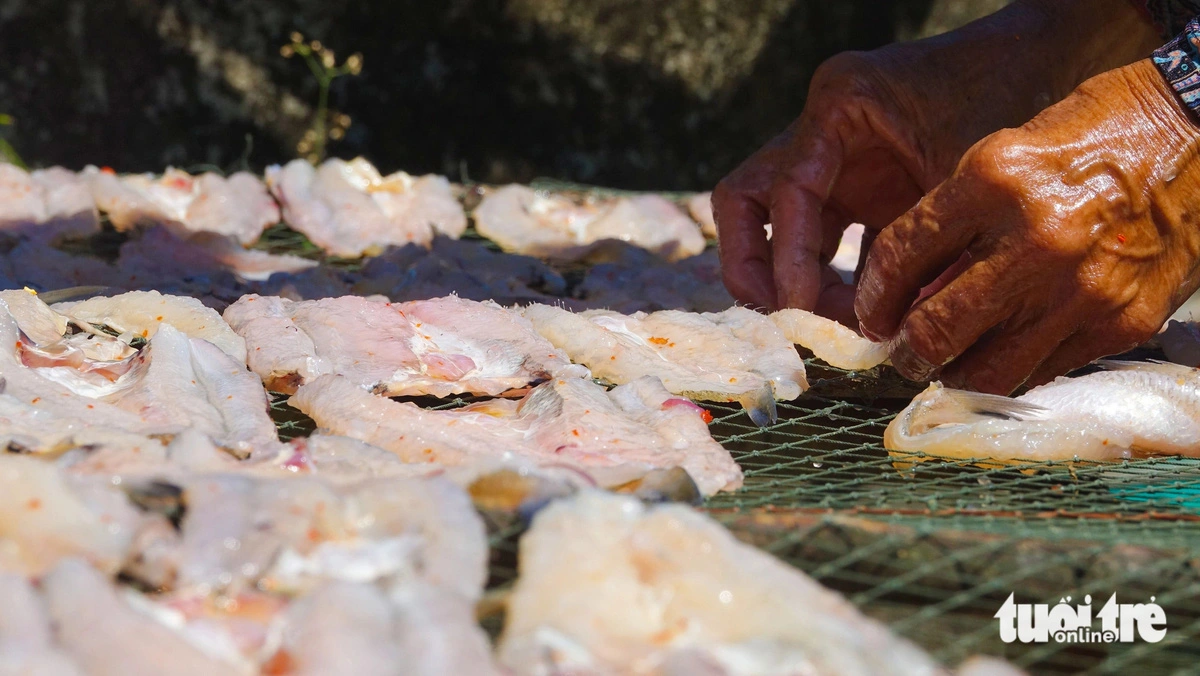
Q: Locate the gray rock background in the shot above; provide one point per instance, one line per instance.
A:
(661, 94)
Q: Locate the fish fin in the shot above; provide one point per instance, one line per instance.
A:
(1149, 366)
(997, 406)
(77, 293)
(760, 406)
(938, 406)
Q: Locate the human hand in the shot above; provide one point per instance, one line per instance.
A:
(880, 129)
(1075, 237)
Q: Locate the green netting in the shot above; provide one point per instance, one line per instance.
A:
(933, 547)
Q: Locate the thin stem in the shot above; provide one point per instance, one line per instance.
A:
(319, 125)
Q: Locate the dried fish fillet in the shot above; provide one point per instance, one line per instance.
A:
(831, 342)
(237, 207)
(46, 516)
(95, 621)
(615, 437)
(524, 221)
(140, 313)
(349, 210)
(700, 207)
(92, 388)
(735, 355)
(47, 204)
(289, 534)
(27, 646)
(609, 586)
(353, 628)
(440, 346)
(1127, 409)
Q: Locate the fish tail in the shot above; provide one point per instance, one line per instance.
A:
(760, 405)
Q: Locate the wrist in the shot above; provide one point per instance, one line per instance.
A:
(1046, 47)
(1161, 108)
(1093, 36)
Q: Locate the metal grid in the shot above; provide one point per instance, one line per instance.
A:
(930, 546)
(933, 547)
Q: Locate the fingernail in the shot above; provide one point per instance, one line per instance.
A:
(868, 333)
(910, 364)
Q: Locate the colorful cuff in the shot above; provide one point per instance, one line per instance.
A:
(1179, 62)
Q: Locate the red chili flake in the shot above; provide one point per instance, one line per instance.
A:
(108, 170)
(706, 415)
(1121, 238)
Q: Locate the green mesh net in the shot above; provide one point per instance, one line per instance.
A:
(933, 547)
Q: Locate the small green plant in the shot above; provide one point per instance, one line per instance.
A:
(7, 152)
(325, 69)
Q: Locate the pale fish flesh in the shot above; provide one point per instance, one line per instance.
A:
(95, 621)
(358, 629)
(92, 388)
(524, 221)
(139, 314)
(27, 645)
(349, 210)
(1125, 410)
(289, 534)
(614, 436)
(440, 346)
(701, 209)
(610, 586)
(735, 355)
(829, 341)
(238, 207)
(47, 204)
(46, 516)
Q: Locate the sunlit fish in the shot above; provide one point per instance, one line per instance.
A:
(1127, 409)
(735, 355)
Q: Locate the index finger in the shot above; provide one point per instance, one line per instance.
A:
(744, 250)
(798, 201)
(910, 254)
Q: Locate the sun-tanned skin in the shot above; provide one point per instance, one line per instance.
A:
(1053, 240)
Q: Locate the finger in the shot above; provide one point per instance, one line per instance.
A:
(942, 327)
(834, 222)
(1004, 358)
(868, 239)
(837, 299)
(797, 204)
(743, 247)
(909, 254)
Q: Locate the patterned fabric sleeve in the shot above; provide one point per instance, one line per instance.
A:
(1179, 62)
(1170, 15)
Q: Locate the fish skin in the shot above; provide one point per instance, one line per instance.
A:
(1126, 409)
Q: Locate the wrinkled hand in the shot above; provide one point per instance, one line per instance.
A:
(880, 129)
(1070, 238)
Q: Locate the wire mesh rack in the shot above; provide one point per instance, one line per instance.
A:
(934, 547)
